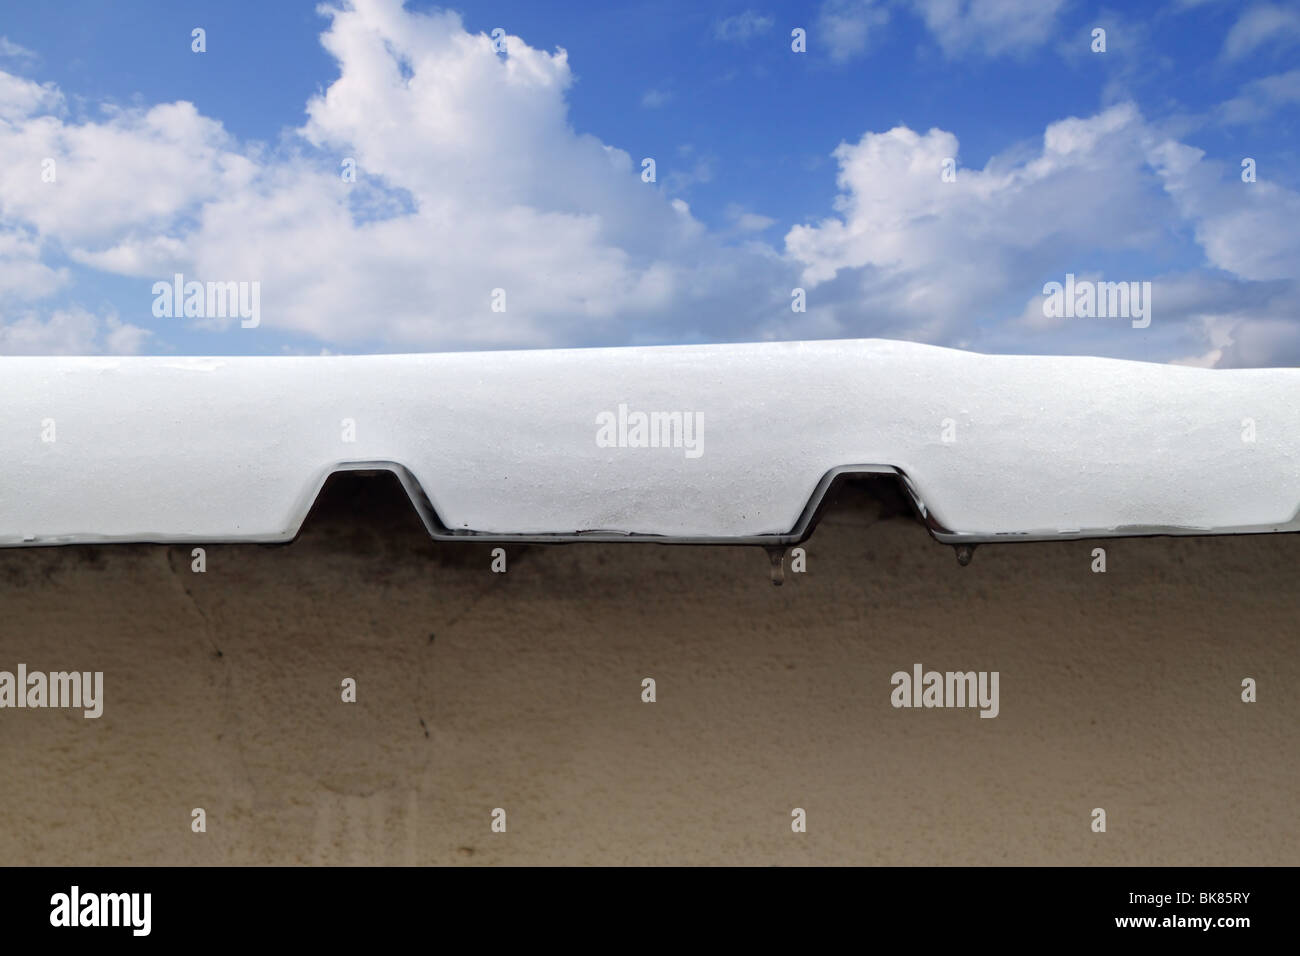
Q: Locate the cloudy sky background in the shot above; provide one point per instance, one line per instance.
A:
(775, 170)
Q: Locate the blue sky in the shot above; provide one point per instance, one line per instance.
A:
(775, 170)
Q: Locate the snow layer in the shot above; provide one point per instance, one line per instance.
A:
(216, 449)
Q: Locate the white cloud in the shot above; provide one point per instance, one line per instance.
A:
(23, 276)
(742, 27)
(141, 257)
(989, 27)
(927, 258)
(471, 177)
(950, 243)
(21, 98)
(70, 332)
(1231, 322)
(9, 50)
(689, 168)
(1247, 229)
(1262, 25)
(1260, 98)
(845, 27)
(138, 170)
(753, 222)
(653, 99)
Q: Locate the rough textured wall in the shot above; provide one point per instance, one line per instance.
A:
(523, 691)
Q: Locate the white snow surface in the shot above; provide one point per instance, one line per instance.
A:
(224, 449)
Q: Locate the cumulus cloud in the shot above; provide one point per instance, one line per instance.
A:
(935, 257)
(470, 178)
(24, 277)
(1247, 229)
(70, 332)
(139, 170)
(932, 254)
(20, 98)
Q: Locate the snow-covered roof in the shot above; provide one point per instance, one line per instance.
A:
(736, 444)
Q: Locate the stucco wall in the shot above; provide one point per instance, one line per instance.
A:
(523, 691)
